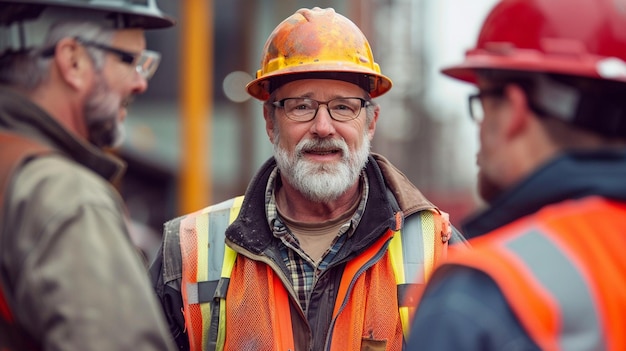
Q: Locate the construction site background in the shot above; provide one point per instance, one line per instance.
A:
(196, 138)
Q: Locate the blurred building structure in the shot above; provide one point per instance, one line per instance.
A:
(424, 128)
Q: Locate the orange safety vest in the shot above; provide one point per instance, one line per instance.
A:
(14, 150)
(215, 280)
(563, 273)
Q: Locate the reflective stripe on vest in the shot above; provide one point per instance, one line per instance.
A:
(205, 311)
(411, 269)
(204, 231)
(562, 272)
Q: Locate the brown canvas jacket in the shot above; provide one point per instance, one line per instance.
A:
(68, 269)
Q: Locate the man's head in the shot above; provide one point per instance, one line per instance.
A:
(85, 59)
(317, 43)
(318, 78)
(551, 76)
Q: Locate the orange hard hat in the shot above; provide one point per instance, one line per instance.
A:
(317, 43)
(585, 38)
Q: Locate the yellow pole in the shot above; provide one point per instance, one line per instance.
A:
(196, 103)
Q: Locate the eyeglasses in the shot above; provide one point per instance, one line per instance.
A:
(305, 109)
(145, 62)
(476, 110)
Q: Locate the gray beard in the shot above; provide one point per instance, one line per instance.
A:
(106, 133)
(101, 109)
(321, 182)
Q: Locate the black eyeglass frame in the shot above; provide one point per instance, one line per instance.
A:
(124, 56)
(364, 103)
(474, 99)
(145, 62)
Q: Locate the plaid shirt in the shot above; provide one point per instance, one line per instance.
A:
(303, 270)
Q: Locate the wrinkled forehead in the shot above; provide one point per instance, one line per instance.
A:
(311, 87)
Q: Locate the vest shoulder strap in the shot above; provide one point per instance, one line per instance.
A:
(207, 263)
(414, 250)
(14, 151)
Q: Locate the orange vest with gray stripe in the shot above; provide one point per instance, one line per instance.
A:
(234, 303)
(563, 273)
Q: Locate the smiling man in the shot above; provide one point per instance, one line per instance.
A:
(321, 249)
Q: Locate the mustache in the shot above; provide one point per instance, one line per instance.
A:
(317, 144)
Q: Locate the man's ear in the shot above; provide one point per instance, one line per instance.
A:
(520, 112)
(73, 64)
(371, 128)
(269, 121)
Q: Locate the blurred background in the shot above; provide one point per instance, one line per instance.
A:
(196, 138)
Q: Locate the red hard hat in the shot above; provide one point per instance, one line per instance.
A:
(584, 38)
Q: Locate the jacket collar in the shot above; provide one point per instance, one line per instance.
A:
(19, 115)
(390, 192)
(409, 198)
(572, 175)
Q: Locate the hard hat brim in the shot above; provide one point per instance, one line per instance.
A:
(139, 17)
(261, 88)
(535, 61)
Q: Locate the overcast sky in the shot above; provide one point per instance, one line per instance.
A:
(455, 25)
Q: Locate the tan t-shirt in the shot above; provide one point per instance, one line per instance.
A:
(316, 238)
